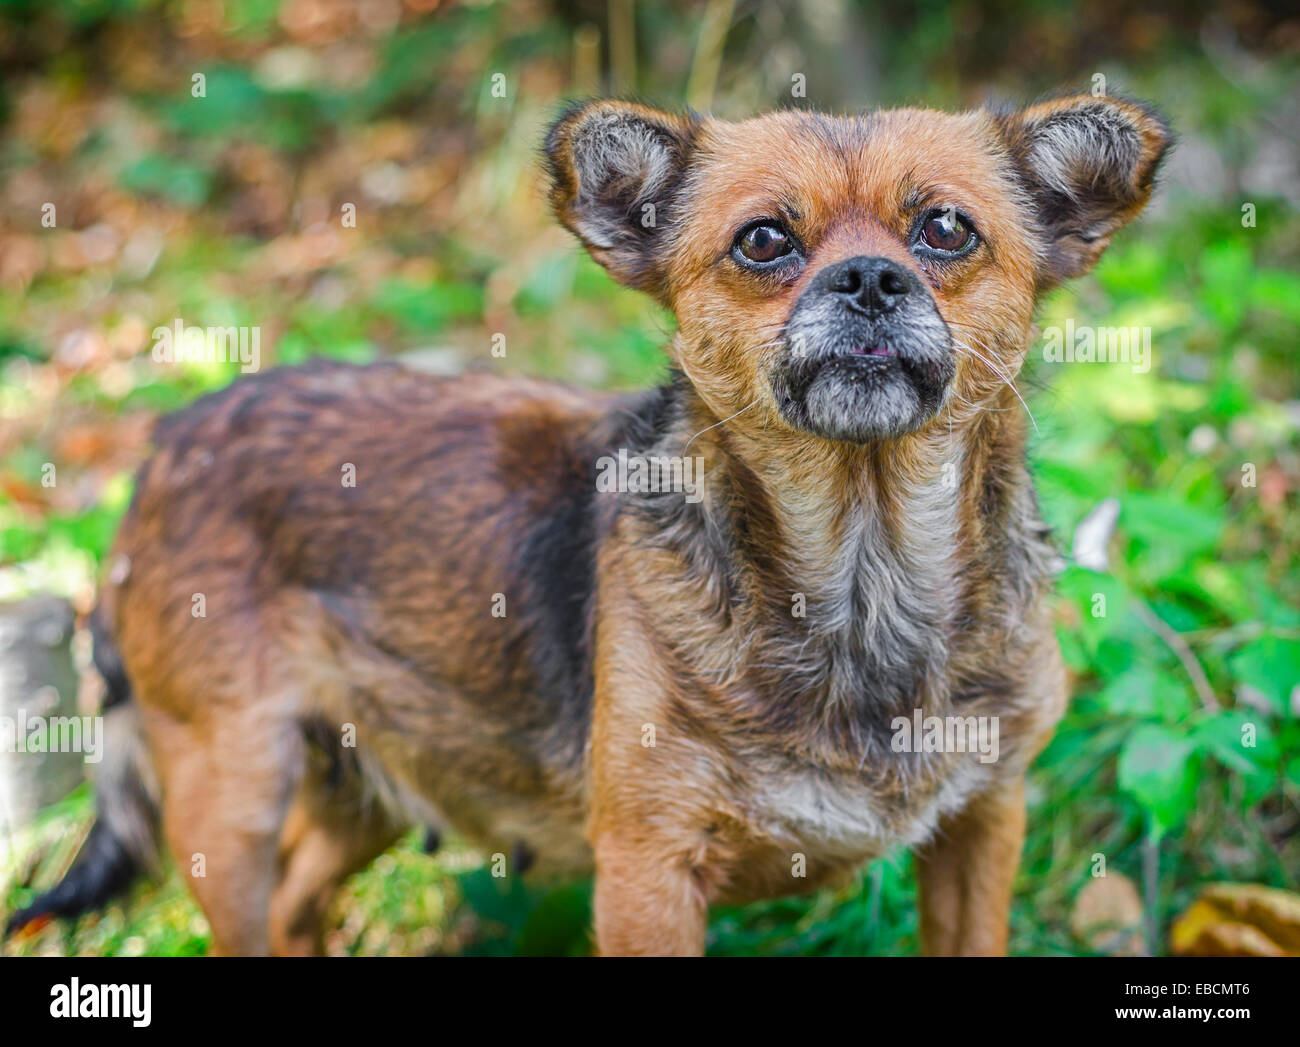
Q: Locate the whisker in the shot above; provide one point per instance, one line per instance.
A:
(978, 407)
(953, 392)
(1005, 378)
(716, 424)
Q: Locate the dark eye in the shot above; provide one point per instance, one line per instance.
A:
(946, 231)
(764, 243)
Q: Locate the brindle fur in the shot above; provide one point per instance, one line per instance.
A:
(329, 605)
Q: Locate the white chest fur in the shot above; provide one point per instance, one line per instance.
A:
(837, 816)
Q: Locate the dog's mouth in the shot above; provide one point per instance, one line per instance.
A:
(850, 380)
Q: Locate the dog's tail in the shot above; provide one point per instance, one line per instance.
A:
(123, 840)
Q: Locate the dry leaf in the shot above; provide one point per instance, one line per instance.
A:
(1239, 919)
(1107, 916)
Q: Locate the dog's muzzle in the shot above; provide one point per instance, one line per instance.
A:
(866, 353)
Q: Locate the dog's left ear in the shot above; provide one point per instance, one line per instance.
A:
(1089, 164)
(615, 169)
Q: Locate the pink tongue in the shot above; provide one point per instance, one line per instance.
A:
(880, 350)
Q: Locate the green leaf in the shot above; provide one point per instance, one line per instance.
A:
(1098, 618)
(1163, 522)
(1132, 692)
(1271, 666)
(1245, 746)
(1156, 769)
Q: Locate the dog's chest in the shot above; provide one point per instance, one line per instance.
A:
(877, 612)
(849, 817)
(876, 642)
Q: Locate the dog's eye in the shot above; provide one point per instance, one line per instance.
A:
(764, 243)
(946, 231)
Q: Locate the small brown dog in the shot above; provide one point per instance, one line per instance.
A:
(685, 634)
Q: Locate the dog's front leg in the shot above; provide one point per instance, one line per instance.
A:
(645, 827)
(645, 904)
(649, 898)
(965, 875)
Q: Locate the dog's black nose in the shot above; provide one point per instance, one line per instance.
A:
(869, 285)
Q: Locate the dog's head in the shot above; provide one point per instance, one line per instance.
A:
(851, 274)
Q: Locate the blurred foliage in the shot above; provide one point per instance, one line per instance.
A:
(226, 208)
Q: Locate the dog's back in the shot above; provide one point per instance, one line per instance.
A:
(364, 596)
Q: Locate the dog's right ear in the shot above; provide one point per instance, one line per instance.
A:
(615, 171)
(1089, 164)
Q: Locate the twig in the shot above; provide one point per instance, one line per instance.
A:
(1179, 646)
(1151, 889)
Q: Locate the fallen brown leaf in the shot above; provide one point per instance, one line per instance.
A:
(1107, 916)
(1239, 919)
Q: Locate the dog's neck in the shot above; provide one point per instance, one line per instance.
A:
(933, 500)
(838, 512)
(854, 577)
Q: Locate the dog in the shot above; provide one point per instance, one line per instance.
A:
(348, 600)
